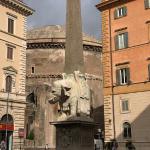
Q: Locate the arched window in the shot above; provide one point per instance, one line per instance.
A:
(7, 119)
(8, 84)
(127, 130)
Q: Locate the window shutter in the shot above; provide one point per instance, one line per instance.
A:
(116, 42)
(117, 77)
(146, 2)
(125, 132)
(126, 39)
(115, 14)
(149, 72)
(129, 132)
(124, 11)
(128, 75)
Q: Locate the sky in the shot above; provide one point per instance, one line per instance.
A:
(53, 12)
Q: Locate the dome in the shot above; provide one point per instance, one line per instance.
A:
(55, 33)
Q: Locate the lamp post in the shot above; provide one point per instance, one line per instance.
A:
(6, 133)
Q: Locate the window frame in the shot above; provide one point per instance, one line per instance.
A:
(120, 12)
(121, 39)
(10, 56)
(13, 19)
(33, 69)
(121, 106)
(8, 83)
(147, 4)
(128, 130)
(126, 76)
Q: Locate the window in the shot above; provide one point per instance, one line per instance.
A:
(120, 12)
(147, 4)
(123, 76)
(8, 84)
(125, 105)
(121, 40)
(11, 25)
(32, 70)
(9, 53)
(127, 130)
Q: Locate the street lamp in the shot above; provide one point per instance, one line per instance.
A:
(6, 133)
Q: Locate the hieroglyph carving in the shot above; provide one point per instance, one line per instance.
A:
(73, 95)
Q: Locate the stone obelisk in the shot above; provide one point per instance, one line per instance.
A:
(74, 47)
(74, 128)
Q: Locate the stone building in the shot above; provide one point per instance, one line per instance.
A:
(126, 66)
(45, 64)
(13, 14)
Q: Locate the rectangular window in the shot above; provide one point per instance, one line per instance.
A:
(147, 4)
(32, 70)
(120, 12)
(9, 53)
(125, 105)
(121, 40)
(123, 76)
(10, 25)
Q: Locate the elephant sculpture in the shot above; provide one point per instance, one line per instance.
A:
(73, 95)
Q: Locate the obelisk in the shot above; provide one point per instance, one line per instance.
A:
(74, 127)
(74, 60)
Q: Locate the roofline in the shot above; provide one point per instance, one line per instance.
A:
(30, 40)
(18, 6)
(109, 4)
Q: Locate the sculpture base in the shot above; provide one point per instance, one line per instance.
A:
(74, 135)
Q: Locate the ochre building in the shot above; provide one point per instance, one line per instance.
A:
(45, 64)
(13, 15)
(126, 70)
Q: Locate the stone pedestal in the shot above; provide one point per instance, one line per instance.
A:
(74, 135)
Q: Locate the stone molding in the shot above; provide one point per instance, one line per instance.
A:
(59, 76)
(18, 6)
(60, 45)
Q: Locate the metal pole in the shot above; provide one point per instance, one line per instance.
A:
(20, 143)
(6, 134)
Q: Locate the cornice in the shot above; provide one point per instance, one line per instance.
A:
(110, 3)
(17, 6)
(61, 45)
(60, 76)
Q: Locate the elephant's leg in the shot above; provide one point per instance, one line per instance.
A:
(73, 107)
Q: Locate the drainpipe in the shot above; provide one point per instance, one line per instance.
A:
(112, 87)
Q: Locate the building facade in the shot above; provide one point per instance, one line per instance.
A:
(45, 64)
(13, 15)
(126, 70)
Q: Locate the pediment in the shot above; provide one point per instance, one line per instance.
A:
(10, 69)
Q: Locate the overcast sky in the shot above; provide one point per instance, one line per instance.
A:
(53, 12)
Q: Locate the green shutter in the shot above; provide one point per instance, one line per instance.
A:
(116, 42)
(149, 72)
(146, 2)
(126, 39)
(124, 11)
(117, 77)
(115, 14)
(128, 75)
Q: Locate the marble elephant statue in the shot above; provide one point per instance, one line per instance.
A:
(73, 95)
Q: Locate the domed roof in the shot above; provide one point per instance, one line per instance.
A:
(58, 32)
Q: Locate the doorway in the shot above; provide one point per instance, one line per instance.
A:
(6, 131)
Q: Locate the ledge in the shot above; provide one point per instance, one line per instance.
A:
(18, 6)
(110, 3)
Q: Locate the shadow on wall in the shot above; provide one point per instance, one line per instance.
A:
(98, 115)
(135, 135)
